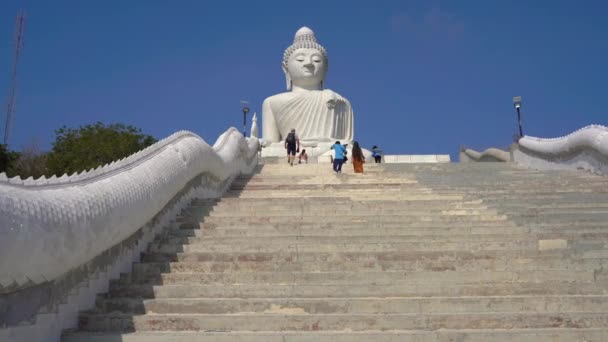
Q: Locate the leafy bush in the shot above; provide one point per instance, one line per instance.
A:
(90, 146)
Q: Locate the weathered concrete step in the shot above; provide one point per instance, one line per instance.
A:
(441, 177)
(448, 289)
(346, 224)
(507, 202)
(346, 218)
(346, 186)
(190, 251)
(371, 277)
(585, 213)
(369, 195)
(564, 204)
(355, 196)
(496, 190)
(324, 201)
(505, 262)
(368, 231)
(534, 197)
(560, 217)
(420, 305)
(407, 185)
(591, 226)
(443, 335)
(400, 212)
(374, 236)
(319, 258)
(572, 228)
(295, 238)
(351, 205)
(544, 198)
(352, 322)
(311, 183)
(440, 182)
(186, 236)
(446, 188)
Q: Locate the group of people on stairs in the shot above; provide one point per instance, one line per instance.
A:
(292, 145)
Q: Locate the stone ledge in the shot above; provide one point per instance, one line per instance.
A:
(415, 158)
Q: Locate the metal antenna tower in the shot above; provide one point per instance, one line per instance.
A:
(10, 103)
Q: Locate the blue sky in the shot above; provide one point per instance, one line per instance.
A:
(422, 76)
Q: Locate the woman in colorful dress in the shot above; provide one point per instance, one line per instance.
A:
(358, 158)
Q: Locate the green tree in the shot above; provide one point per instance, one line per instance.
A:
(90, 146)
(7, 159)
(30, 163)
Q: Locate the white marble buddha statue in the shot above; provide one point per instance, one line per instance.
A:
(319, 116)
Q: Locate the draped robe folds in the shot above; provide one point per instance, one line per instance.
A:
(317, 116)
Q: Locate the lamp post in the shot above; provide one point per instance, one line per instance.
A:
(245, 105)
(517, 104)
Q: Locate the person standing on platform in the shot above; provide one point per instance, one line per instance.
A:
(358, 158)
(377, 154)
(292, 144)
(340, 152)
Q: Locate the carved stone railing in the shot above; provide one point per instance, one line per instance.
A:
(488, 155)
(586, 149)
(56, 232)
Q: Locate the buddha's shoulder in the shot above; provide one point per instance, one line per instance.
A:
(279, 100)
(279, 97)
(334, 95)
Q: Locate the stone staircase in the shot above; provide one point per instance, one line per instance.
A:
(418, 252)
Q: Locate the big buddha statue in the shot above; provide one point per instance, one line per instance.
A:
(320, 116)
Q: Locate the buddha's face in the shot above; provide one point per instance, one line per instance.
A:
(306, 67)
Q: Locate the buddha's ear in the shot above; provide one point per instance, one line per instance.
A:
(287, 78)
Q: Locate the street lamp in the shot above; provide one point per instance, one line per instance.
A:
(517, 104)
(245, 105)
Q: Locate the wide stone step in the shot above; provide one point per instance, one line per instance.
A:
(373, 236)
(561, 217)
(378, 256)
(348, 224)
(366, 231)
(351, 205)
(376, 185)
(329, 322)
(563, 204)
(445, 182)
(326, 263)
(372, 277)
(190, 251)
(527, 189)
(355, 196)
(446, 289)
(338, 201)
(356, 183)
(323, 202)
(368, 234)
(361, 232)
(255, 241)
(443, 335)
(289, 306)
(345, 217)
(400, 212)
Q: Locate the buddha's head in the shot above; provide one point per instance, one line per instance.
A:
(305, 61)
